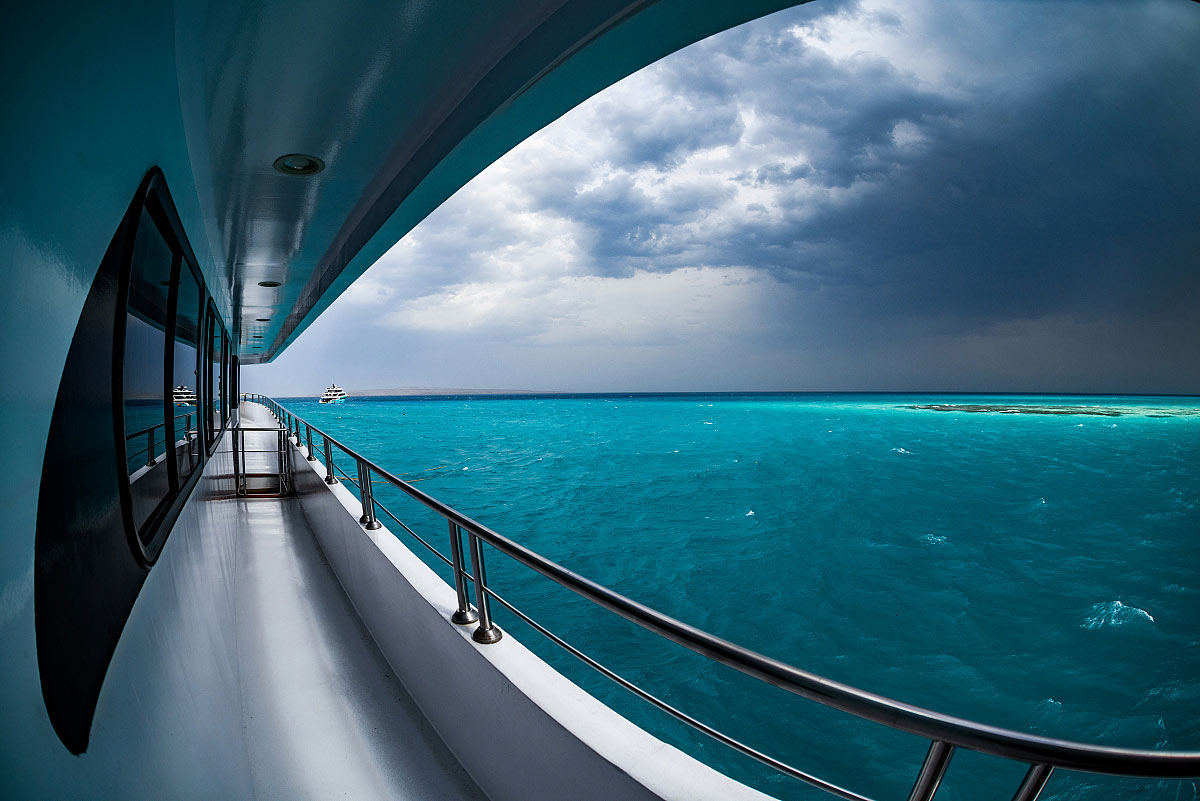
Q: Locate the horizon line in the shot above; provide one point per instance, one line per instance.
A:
(464, 391)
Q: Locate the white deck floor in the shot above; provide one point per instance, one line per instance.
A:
(324, 715)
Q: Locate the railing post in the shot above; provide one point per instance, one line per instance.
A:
(932, 771)
(286, 471)
(282, 442)
(237, 469)
(368, 499)
(150, 448)
(330, 478)
(308, 430)
(1033, 783)
(362, 493)
(487, 632)
(464, 614)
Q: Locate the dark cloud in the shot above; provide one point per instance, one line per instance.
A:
(1082, 199)
(1074, 195)
(676, 130)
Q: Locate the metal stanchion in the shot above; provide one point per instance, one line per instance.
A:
(487, 632)
(330, 478)
(464, 614)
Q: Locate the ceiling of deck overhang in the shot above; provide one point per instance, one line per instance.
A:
(404, 102)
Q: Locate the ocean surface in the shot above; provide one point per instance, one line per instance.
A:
(1035, 571)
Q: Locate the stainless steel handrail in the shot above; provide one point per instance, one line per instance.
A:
(945, 732)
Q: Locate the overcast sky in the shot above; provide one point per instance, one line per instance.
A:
(875, 195)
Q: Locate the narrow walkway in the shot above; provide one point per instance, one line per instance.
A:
(324, 715)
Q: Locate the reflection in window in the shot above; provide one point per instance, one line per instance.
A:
(225, 397)
(186, 375)
(143, 376)
(214, 412)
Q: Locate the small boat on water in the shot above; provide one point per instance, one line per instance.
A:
(183, 396)
(334, 394)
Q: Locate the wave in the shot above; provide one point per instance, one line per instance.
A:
(1115, 613)
(1048, 712)
(1030, 507)
(900, 450)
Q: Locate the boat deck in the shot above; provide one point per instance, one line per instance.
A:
(324, 715)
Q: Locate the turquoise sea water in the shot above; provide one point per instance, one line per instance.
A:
(1039, 572)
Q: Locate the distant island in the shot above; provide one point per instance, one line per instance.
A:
(1096, 411)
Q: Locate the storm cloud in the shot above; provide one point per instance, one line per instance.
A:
(856, 195)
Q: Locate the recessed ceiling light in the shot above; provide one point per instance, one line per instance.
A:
(299, 164)
(268, 284)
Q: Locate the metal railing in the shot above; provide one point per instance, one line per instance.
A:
(151, 438)
(946, 733)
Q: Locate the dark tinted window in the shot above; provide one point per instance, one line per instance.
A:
(186, 375)
(225, 396)
(144, 379)
(213, 357)
(233, 381)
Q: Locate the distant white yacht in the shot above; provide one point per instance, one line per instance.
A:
(334, 394)
(184, 396)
